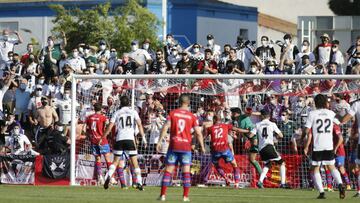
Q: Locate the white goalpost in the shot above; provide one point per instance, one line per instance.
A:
(204, 88)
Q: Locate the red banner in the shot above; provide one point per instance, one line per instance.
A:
(248, 176)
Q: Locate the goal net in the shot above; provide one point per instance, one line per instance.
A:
(289, 98)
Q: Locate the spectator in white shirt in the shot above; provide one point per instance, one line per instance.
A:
(22, 97)
(337, 57)
(18, 143)
(140, 56)
(322, 51)
(174, 57)
(305, 50)
(103, 51)
(215, 48)
(7, 44)
(76, 62)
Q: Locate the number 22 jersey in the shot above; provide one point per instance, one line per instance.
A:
(321, 122)
(181, 123)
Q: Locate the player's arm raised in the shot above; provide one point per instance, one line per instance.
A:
(162, 135)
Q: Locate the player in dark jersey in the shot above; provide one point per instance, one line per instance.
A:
(180, 121)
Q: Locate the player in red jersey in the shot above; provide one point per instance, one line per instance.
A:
(220, 147)
(95, 126)
(180, 121)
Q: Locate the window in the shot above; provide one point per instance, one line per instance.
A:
(356, 22)
(244, 33)
(324, 23)
(9, 25)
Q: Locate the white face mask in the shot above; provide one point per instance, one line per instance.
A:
(287, 41)
(304, 48)
(301, 104)
(271, 68)
(11, 58)
(102, 47)
(163, 70)
(169, 40)
(81, 50)
(30, 50)
(41, 81)
(102, 66)
(146, 46)
(87, 51)
(60, 128)
(283, 118)
(113, 54)
(209, 118)
(66, 96)
(334, 49)
(196, 50)
(210, 42)
(253, 70)
(16, 131)
(264, 43)
(134, 47)
(174, 53)
(50, 43)
(38, 93)
(75, 54)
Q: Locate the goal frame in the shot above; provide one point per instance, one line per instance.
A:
(76, 77)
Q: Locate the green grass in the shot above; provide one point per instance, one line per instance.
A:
(52, 194)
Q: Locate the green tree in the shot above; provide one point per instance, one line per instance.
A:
(118, 27)
(345, 7)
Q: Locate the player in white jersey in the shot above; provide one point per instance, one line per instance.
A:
(125, 121)
(355, 112)
(265, 130)
(320, 121)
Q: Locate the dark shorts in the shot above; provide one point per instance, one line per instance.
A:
(325, 157)
(269, 153)
(125, 147)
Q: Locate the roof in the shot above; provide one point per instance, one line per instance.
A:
(277, 24)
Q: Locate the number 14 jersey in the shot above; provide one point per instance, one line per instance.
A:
(125, 122)
(265, 132)
(181, 123)
(321, 122)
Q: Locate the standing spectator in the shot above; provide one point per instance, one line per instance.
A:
(196, 54)
(337, 57)
(306, 66)
(186, 64)
(64, 108)
(244, 52)
(7, 82)
(22, 98)
(126, 66)
(305, 50)
(140, 56)
(351, 52)
(206, 66)
(64, 60)
(103, 51)
(9, 99)
(66, 76)
(76, 62)
(16, 65)
(18, 143)
(113, 61)
(32, 68)
(223, 58)
(266, 51)
(52, 54)
(170, 42)
(215, 48)
(174, 57)
(6, 45)
(25, 57)
(89, 54)
(236, 64)
(289, 49)
(156, 65)
(322, 51)
(146, 46)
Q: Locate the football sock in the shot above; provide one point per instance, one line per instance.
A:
(257, 166)
(138, 175)
(186, 183)
(98, 168)
(236, 174)
(335, 173)
(165, 182)
(311, 179)
(120, 173)
(108, 164)
(133, 175)
(328, 179)
(358, 182)
(346, 178)
(318, 182)
(220, 171)
(283, 173)
(263, 174)
(111, 171)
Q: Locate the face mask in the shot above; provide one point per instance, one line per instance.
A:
(283, 118)
(334, 49)
(38, 93)
(41, 81)
(75, 54)
(271, 68)
(264, 43)
(283, 88)
(134, 47)
(211, 42)
(301, 104)
(102, 47)
(113, 54)
(174, 53)
(66, 96)
(304, 48)
(87, 51)
(30, 50)
(11, 58)
(23, 86)
(253, 69)
(196, 50)
(168, 40)
(6, 37)
(163, 70)
(102, 66)
(50, 43)
(146, 46)
(81, 50)
(273, 101)
(287, 41)
(209, 118)
(16, 131)
(60, 128)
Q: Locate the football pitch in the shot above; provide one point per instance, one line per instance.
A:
(54, 194)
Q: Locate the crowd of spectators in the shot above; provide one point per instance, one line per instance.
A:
(35, 94)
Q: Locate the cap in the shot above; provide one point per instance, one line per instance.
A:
(325, 35)
(147, 41)
(134, 42)
(335, 42)
(102, 42)
(235, 110)
(209, 36)
(265, 112)
(287, 36)
(149, 92)
(270, 63)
